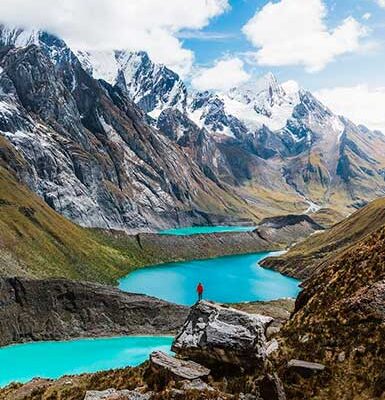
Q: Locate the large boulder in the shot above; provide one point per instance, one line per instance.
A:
(213, 334)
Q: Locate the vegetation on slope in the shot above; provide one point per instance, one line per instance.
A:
(35, 241)
(305, 257)
(340, 322)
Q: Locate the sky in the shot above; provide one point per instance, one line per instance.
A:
(335, 48)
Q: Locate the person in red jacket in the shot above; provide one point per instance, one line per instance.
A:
(200, 291)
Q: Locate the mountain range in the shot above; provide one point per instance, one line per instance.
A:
(110, 139)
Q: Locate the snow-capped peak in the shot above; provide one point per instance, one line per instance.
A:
(152, 86)
(267, 84)
(100, 64)
(258, 103)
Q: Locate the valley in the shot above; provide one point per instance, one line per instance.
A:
(122, 186)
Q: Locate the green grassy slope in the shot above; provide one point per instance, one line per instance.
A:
(36, 241)
(303, 259)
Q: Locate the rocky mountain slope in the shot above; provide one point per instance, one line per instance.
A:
(90, 153)
(37, 242)
(339, 321)
(55, 310)
(277, 130)
(113, 140)
(305, 258)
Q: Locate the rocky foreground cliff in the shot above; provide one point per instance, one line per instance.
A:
(339, 321)
(35, 310)
(221, 353)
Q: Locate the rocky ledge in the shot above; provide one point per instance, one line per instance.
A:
(32, 310)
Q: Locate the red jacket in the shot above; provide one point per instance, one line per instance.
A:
(200, 289)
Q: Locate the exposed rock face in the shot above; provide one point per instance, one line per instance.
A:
(58, 309)
(295, 227)
(218, 335)
(89, 151)
(151, 86)
(171, 368)
(256, 151)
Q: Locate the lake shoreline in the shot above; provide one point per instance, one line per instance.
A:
(180, 278)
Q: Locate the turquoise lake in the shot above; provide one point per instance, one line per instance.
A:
(196, 230)
(23, 362)
(225, 279)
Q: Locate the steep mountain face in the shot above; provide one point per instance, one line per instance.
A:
(247, 108)
(262, 149)
(151, 86)
(90, 153)
(322, 157)
(265, 129)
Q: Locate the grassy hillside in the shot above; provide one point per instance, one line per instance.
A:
(37, 242)
(302, 259)
(339, 321)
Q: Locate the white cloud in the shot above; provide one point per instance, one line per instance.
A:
(224, 75)
(381, 3)
(359, 103)
(367, 16)
(294, 32)
(150, 25)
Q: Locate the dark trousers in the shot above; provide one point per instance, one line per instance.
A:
(200, 296)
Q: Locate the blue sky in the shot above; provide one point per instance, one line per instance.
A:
(364, 66)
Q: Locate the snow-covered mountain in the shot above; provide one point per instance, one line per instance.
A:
(260, 149)
(151, 86)
(86, 149)
(263, 102)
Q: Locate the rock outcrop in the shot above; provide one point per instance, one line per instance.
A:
(226, 371)
(217, 335)
(170, 368)
(33, 310)
(304, 368)
(287, 229)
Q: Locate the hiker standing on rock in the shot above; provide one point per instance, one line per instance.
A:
(200, 291)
